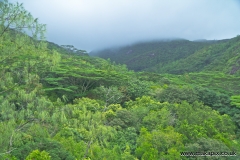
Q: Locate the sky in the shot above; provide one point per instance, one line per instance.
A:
(98, 24)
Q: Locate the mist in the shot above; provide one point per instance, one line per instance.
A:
(97, 24)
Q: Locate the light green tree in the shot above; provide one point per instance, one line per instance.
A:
(235, 100)
(37, 155)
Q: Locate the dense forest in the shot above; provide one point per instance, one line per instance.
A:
(59, 103)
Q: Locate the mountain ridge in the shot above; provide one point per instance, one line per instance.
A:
(142, 56)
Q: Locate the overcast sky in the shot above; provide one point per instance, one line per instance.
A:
(96, 24)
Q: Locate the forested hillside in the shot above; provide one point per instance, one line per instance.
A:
(147, 55)
(223, 57)
(178, 56)
(58, 103)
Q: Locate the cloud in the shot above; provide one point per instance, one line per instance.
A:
(92, 24)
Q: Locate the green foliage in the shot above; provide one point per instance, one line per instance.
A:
(216, 81)
(123, 119)
(36, 154)
(202, 121)
(76, 76)
(15, 17)
(137, 88)
(235, 100)
(208, 145)
(175, 94)
(77, 149)
(127, 154)
(59, 103)
(127, 136)
(108, 95)
(159, 143)
(55, 150)
(7, 156)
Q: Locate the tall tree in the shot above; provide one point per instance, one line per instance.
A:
(13, 17)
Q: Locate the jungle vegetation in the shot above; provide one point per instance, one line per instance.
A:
(59, 103)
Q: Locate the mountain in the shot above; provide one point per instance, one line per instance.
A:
(222, 57)
(147, 55)
(178, 56)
